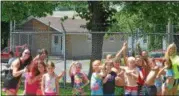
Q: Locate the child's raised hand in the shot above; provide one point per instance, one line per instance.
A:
(108, 76)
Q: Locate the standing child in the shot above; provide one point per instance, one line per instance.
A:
(131, 76)
(96, 79)
(149, 87)
(119, 80)
(142, 73)
(80, 80)
(42, 69)
(50, 84)
(32, 80)
(109, 79)
(169, 74)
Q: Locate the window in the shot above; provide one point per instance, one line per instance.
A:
(56, 39)
(89, 37)
(111, 38)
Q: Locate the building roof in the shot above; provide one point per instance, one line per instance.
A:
(70, 25)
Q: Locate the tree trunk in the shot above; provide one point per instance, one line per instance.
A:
(97, 43)
(97, 22)
(4, 34)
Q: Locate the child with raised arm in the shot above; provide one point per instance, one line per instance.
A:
(119, 80)
(50, 84)
(32, 81)
(96, 79)
(80, 80)
(169, 74)
(149, 87)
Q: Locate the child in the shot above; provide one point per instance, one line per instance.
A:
(32, 80)
(96, 79)
(131, 76)
(42, 69)
(109, 79)
(50, 84)
(108, 57)
(142, 73)
(169, 74)
(160, 77)
(80, 80)
(119, 81)
(149, 87)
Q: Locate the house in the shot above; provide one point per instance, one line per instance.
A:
(47, 32)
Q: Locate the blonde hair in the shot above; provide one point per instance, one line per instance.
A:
(116, 60)
(96, 61)
(168, 63)
(173, 45)
(109, 56)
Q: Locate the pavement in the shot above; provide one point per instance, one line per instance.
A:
(60, 66)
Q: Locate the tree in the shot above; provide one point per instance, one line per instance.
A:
(153, 16)
(99, 15)
(4, 34)
(22, 10)
(101, 19)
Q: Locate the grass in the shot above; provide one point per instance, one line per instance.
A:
(63, 91)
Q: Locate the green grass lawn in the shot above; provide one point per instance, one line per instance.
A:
(63, 91)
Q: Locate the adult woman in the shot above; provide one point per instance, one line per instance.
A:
(171, 54)
(17, 68)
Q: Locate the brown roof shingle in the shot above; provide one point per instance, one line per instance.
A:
(70, 25)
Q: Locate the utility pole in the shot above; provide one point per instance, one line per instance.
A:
(64, 49)
(170, 31)
(10, 45)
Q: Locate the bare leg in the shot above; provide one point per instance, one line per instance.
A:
(11, 92)
(164, 90)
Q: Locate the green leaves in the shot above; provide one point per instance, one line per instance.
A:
(20, 10)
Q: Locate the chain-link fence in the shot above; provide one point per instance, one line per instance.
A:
(78, 45)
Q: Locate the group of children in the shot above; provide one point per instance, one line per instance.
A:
(140, 75)
(42, 81)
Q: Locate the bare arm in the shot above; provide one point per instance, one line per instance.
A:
(141, 75)
(43, 85)
(106, 78)
(118, 55)
(70, 69)
(60, 75)
(57, 86)
(160, 72)
(124, 53)
(86, 79)
(15, 67)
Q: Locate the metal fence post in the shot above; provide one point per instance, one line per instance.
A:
(64, 48)
(10, 45)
